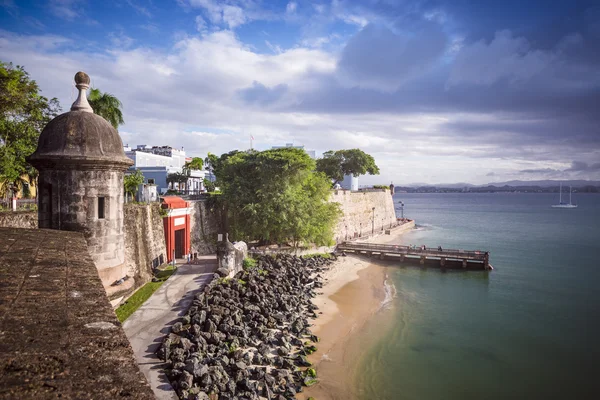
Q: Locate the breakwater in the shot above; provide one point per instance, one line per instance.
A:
(247, 336)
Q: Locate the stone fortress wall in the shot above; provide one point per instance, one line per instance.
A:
(144, 240)
(364, 213)
(205, 225)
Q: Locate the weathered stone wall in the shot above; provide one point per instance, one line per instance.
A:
(19, 219)
(205, 225)
(364, 213)
(231, 257)
(60, 336)
(69, 200)
(144, 240)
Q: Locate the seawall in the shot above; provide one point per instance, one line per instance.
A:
(365, 213)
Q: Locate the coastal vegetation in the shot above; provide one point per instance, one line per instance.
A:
(24, 112)
(355, 162)
(275, 196)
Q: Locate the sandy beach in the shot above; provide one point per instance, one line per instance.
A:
(355, 290)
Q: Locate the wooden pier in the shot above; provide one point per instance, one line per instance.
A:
(445, 258)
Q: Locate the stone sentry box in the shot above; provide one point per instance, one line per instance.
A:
(81, 164)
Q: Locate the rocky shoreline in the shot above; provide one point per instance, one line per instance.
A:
(248, 337)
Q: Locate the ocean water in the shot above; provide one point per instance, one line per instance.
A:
(530, 329)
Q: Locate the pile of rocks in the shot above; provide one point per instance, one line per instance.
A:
(248, 337)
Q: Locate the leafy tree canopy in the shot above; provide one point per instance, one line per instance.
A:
(276, 196)
(23, 115)
(196, 164)
(209, 185)
(337, 164)
(177, 177)
(133, 181)
(107, 106)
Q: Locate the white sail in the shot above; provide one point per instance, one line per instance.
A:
(565, 205)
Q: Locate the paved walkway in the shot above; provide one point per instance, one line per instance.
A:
(147, 327)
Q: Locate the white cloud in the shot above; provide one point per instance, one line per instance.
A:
(10, 7)
(190, 95)
(230, 14)
(120, 40)
(139, 8)
(291, 7)
(200, 24)
(233, 16)
(66, 9)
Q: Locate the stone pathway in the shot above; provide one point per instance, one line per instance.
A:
(147, 327)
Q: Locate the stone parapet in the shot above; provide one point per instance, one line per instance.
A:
(60, 336)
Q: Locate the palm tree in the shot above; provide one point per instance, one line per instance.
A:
(107, 106)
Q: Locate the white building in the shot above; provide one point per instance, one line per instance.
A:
(311, 153)
(157, 162)
(350, 182)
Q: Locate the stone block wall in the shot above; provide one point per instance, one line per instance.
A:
(231, 257)
(205, 226)
(144, 240)
(19, 219)
(60, 336)
(364, 213)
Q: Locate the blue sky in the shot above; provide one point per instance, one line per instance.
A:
(436, 91)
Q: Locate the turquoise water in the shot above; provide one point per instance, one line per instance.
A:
(528, 330)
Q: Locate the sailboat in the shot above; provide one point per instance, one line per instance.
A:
(565, 205)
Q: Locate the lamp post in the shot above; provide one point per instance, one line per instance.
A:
(373, 225)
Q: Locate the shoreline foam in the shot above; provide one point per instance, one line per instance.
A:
(355, 290)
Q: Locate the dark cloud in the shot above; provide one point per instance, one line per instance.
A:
(543, 171)
(580, 166)
(376, 57)
(260, 94)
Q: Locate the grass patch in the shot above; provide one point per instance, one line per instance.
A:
(249, 263)
(142, 294)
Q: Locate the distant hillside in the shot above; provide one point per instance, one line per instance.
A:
(579, 186)
(544, 183)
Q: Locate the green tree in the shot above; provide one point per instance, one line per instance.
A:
(178, 177)
(107, 106)
(23, 115)
(210, 162)
(337, 164)
(275, 196)
(209, 185)
(132, 182)
(195, 165)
